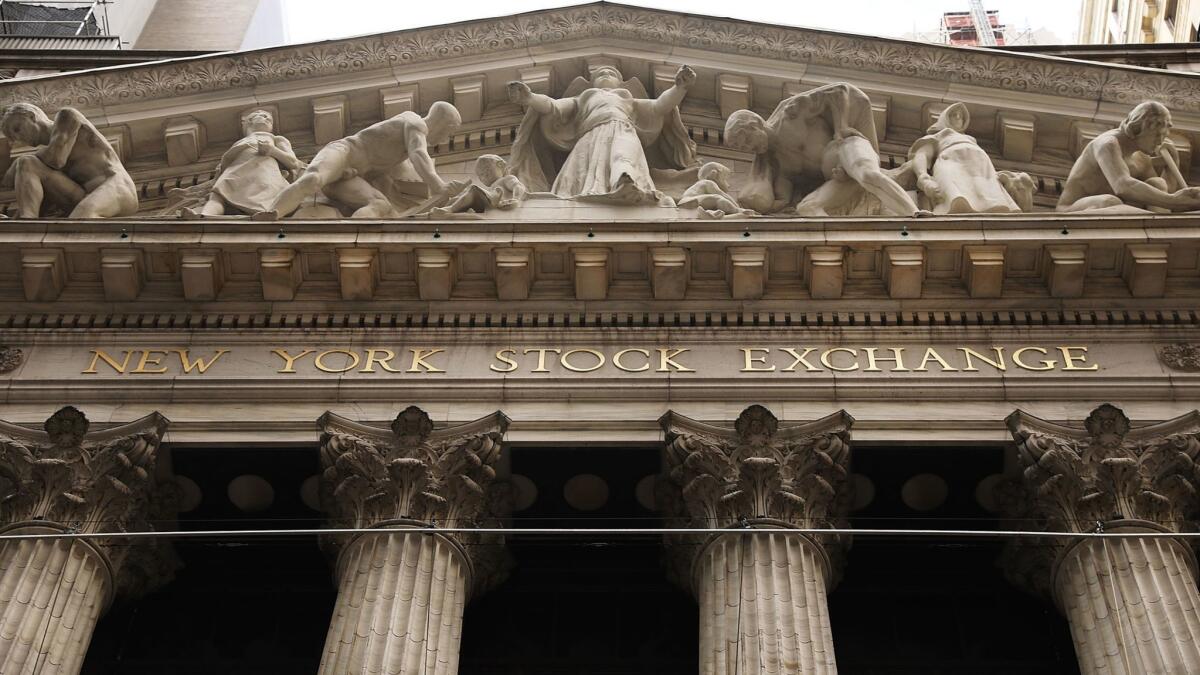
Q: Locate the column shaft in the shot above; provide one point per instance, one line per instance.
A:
(52, 592)
(399, 608)
(763, 606)
(1132, 605)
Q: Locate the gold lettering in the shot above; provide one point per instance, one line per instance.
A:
(148, 360)
(998, 364)
(932, 355)
(825, 359)
(512, 365)
(1047, 364)
(199, 364)
(319, 362)
(289, 365)
(1069, 359)
(618, 364)
(101, 355)
(384, 362)
(566, 364)
(541, 364)
(666, 361)
(752, 360)
(800, 358)
(873, 361)
(419, 362)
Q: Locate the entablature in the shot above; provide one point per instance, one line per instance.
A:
(1043, 263)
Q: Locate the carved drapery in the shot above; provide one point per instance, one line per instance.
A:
(1131, 603)
(402, 594)
(52, 591)
(762, 596)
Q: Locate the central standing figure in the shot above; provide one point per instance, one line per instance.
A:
(613, 136)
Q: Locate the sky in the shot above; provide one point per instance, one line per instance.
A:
(312, 20)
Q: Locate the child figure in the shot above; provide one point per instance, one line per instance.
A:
(496, 189)
(710, 193)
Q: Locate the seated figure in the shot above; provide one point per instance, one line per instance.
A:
(250, 174)
(345, 169)
(955, 174)
(1115, 173)
(75, 166)
(820, 144)
(497, 189)
(710, 193)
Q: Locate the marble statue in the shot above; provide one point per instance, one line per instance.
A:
(251, 173)
(711, 193)
(608, 130)
(496, 189)
(347, 170)
(74, 166)
(821, 141)
(1116, 173)
(956, 175)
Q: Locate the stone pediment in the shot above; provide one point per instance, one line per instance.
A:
(1031, 112)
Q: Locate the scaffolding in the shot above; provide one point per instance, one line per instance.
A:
(62, 18)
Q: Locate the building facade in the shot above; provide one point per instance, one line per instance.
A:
(1138, 21)
(696, 345)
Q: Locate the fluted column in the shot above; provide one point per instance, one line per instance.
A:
(1131, 603)
(761, 588)
(53, 591)
(401, 594)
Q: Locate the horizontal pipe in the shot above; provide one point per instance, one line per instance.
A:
(559, 531)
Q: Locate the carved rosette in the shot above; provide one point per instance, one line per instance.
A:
(414, 474)
(757, 474)
(1182, 356)
(10, 359)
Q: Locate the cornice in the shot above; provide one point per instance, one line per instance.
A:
(1024, 73)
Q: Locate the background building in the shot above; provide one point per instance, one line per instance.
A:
(1138, 21)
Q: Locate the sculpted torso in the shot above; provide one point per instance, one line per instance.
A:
(799, 147)
(383, 144)
(597, 106)
(91, 161)
(1087, 177)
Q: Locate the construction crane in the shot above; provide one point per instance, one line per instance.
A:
(983, 25)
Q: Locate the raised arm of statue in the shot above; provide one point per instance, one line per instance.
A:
(522, 95)
(671, 98)
(418, 153)
(62, 140)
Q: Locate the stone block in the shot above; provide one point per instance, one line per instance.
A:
(539, 78)
(122, 272)
(357, 273)
(664, 77)
(330, 114)
(395, 100)
(747, 272)
(118, 137)
(1082, 133)
(1064, 267)
(514, 274)
(1016, 133)
(903, 271)
(435, 273)
(469, 96)
(825, 271)
(669, 272)
(983, 270)
(1145, 270)
(591, 273)
(734, 92)
(279, 271)
(184, 138)
(202, 273)
(43, 273)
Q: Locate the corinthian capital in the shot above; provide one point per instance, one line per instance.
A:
(1108, 470)
(758, 471)
(409, 471)
(107, 481)
(1104, 474)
